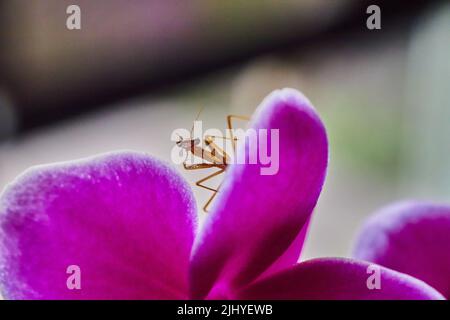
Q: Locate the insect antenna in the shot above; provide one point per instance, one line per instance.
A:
(196, 118)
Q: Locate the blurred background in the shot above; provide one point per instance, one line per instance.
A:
(138, 69)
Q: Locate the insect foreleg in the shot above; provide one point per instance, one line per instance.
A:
(217, 151)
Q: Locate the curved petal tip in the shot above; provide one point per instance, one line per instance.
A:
(257, 223)
(412, 237)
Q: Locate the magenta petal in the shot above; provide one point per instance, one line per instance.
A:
(255, 217)
(338, 279)
(127, 220)
(411, 237)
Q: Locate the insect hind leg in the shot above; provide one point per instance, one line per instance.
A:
(201, 185)
(230, 119)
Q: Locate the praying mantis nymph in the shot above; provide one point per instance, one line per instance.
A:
(213, 155)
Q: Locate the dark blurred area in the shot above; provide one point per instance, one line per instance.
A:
(130, 47)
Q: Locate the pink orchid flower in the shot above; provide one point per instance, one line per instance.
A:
(129, 222)
(411, 237)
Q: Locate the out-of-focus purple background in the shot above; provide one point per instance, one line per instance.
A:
(139, 69)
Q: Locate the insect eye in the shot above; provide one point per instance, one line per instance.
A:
(180, 139)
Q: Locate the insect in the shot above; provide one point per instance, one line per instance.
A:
(211, 153)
